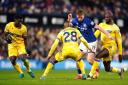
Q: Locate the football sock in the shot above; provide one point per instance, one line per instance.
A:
(81, 66)
(27, 65)
(48, 68)
(78, 70)
(115, 70)
(94, 67)
(17, 67)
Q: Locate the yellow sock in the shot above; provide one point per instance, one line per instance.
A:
(81, 66)
(27, 65)
(115, 70)
(94, 67)
(48, 68)
(17, 67)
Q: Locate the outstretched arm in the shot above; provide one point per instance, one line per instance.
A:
(105, 32)
(53, 48)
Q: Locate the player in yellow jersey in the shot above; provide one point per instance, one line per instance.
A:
(16, 35)
(109, 47)
(70, 49)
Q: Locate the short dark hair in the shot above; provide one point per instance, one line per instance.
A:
(80, 11)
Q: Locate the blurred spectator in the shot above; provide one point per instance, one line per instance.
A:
(92, 7)
(40, 41)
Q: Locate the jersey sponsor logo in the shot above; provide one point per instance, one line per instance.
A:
(109, 31)
(83, 27)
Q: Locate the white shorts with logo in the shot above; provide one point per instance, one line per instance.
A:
(92, 45)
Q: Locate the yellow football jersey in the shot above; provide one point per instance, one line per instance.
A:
(114, 32)
(69, 37)
(17, 33)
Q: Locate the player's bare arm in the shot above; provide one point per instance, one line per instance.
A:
(105, 32)
(53, 48)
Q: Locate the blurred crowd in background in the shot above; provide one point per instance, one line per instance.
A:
(92, 7)
(40, 39)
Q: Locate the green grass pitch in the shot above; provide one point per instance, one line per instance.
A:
(60, 77)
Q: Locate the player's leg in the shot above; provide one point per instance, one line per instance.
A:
(12, 52)
(107, 62)
(80, 64)
(91, 56)
(90, 59)
(23, 56)
(108, 68)
(16, 65)
(26, 64)
(103, 53)
(83, 51)
(52, 61)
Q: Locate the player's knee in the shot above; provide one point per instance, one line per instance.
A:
(13, 60)
(103, 54)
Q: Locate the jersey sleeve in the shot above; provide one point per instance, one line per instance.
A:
(7, 28)
(78, 33)
(59, 36)
(97, 33)
(25, 31)
(55, 44)
(91, 23)
(119, 41)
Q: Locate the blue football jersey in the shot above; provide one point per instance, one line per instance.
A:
(86, 27)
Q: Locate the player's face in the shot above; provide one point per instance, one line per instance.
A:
(18, 22)
(108, 18)
(80, 17)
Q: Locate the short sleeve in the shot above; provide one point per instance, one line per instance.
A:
(59, 36)
(25, 31)
(91, 23)
(101, 24)
(7, 28)
(79, 34)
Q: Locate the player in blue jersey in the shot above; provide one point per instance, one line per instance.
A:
(86, 27)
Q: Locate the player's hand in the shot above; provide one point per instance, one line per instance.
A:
(120, 58)
(111, 38)
(69, 17)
